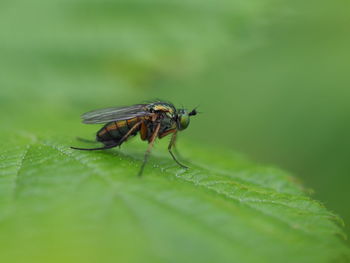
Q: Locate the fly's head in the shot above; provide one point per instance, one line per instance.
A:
(183, 118)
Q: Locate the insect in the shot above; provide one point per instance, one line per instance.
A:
(153, 120)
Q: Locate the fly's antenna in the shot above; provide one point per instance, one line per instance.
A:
(194, 112)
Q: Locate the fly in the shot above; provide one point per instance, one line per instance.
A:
(152, 121)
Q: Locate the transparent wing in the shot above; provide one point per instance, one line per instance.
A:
(115, 114)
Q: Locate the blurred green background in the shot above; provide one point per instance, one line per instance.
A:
(271, 77)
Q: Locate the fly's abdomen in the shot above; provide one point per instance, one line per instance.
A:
(115, 131)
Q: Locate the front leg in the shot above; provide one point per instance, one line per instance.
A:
(171, 144)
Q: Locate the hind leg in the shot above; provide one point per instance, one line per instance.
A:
(150, 146)
(112, 144)
(107, 146)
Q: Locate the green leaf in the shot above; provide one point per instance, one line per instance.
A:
(60, 58)
(61, 205)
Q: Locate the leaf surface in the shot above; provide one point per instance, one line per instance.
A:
(92, 205)
(60, 58)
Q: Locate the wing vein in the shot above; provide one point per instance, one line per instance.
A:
(115, 114)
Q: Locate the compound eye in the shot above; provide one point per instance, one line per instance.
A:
(184, 121)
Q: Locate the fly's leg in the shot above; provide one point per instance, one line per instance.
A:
(150, 146)
(109, 146)
(171, 144)
(127, 135)
(176, 151)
